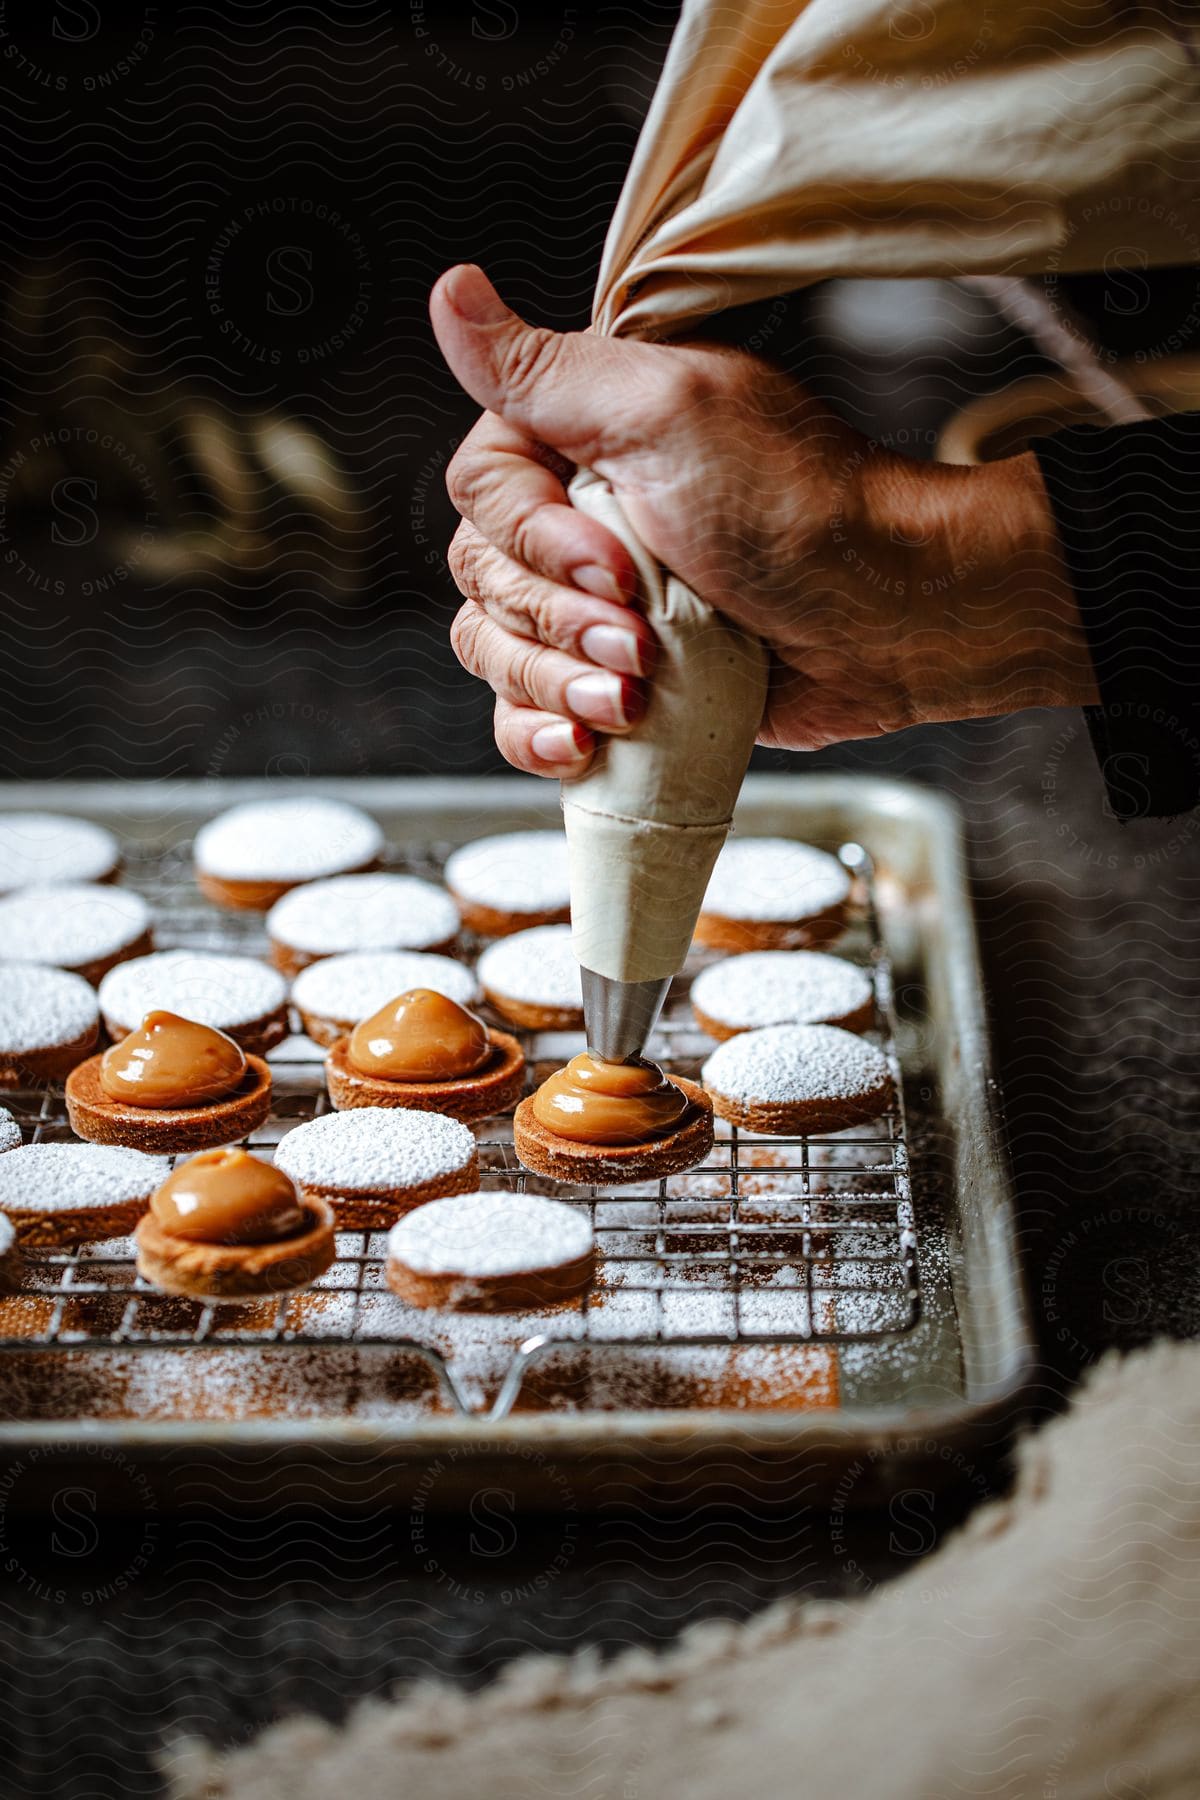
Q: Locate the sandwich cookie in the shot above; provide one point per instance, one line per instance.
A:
(233, 994)
(511, 883)
(12, 1263)
(10, 1131)
(40, 848)
(57, 1195)
(597, 1123)
(798, 1080)
(532, 979)
(376, 1163)
(773, 894)
(491, 1252)
(781, 987)
(360, 912)
(424, 1051)
(84, 928)
(248, 857)
(170, 1086)
(49, 1021)
(336, 994)
(226, 1226)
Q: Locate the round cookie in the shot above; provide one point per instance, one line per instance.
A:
(781, 987)
(174, 1130)
(10, 1131)
(235, 994)
(512, 882)
(38, 849)
(360, 912)
(82, 927)
(532, 979)
(225, 1272)
(61, 1194)
(491, 1252)
(773, 894)
(49, 1021)
(12, 1263)
(798, 1080)
(613, 1165)
(248, 857)
(375, 1163)
(489, 1090)
(337, 993)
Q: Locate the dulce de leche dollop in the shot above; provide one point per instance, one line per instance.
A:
(419, 1036)
(597, 1102)
(171, 1061)
(227, 1197)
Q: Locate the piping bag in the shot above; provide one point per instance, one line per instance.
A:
(772, 157)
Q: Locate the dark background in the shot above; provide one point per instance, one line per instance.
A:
(224, 434)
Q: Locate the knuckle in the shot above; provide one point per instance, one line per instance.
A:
(462, 559)
(510, 740)
(461, 479)
(465, 636)
(527, 668)
(529, 358)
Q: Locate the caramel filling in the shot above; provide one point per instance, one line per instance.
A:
(171, 1061)
(419, 1036)
(597, 1102)
(228, 1197)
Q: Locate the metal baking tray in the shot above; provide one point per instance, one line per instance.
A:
(827, 1319)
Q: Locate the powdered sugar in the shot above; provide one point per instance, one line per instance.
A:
(352, 987)
(10, 1131)
(486, 1234)
(375, 1149)
(537, 967)
(60, 1177)
(776, 987)
(788, 1063)
(212, 989)
(363, 912)
(296, 839)
(41, 847)
(70, 925)
(518, 872)
(41, 1007)
(774, 879)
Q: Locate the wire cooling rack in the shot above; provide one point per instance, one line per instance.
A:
(773, 1242)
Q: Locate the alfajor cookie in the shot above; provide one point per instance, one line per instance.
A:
(170, 1086)
(532, 979)
(49, 1021)
(38, 849)
(336, 994)
(781, 987)
(773, 894)
(248, 857)
(12, 1263)
(491, 1252)
(10, 1131)
(234, 994)
(360, 912)
(681, 1138)
(512, 882)
(798, 1080)
(62, 1194)
(373, 1164)
(82, 927)
(424, 1051)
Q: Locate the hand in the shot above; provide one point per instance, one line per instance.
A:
(889, 592)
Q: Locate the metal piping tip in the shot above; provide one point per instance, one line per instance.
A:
(619, 1016)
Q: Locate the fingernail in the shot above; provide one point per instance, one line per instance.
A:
(558, 743)
(613, 648)
(594, 578)
(598, 698)
(472, 294)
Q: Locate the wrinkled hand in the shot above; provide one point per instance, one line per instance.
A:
(888, 592)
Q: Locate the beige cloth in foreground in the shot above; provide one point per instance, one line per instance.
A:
(1050, 1651)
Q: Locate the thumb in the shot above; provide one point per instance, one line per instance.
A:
(564, 388)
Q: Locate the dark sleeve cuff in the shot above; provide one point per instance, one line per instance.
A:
(1125, 499)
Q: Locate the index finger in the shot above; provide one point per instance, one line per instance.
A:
(513, 490)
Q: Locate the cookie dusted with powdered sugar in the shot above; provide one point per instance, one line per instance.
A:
(781, 987)
(357, 913)
(375, 1163)
(41, 848)
(336, 994)
(10, 1131)
(773, 894)
(56, 1195)
(85, 928)
(234, 994)
(491, 1252)
(532, 979)
(798, 1080)
(49, 1021)
(248, 857)
(512, 882)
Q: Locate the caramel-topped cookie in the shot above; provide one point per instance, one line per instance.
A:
(781, 987)
(40, 848)
(226, 1226)
(600, 1123)
(234, 994)
(248, 857)
(491, 1252)
(172, 1085)
(513, 882)
(81, 927)
(798, 1080)
(61, 1194)
(49, 1021)
(360, 912)
(773, 894)
(425, 1051)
